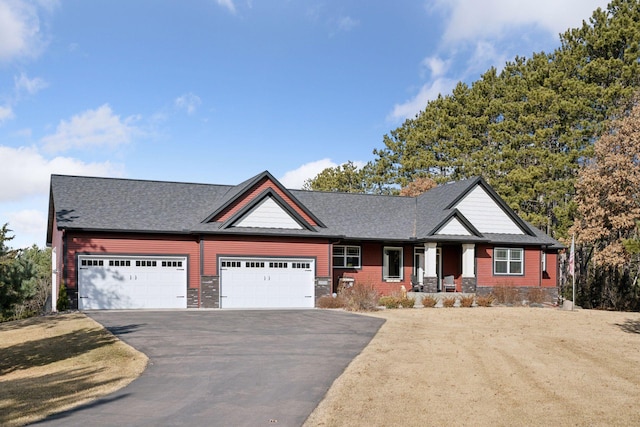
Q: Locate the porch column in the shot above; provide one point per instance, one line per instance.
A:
(430, 268)
(468, 267)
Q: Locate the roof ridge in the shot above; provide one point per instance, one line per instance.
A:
(110, 178)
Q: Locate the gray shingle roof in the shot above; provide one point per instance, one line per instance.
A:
(126, 205)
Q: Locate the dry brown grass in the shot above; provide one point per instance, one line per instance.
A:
(496, 366)
(52, 363)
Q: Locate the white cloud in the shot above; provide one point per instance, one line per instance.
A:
(6, 113)
(227, 4)
(28, 226)
(188, 102)
(437, 66)
(479, 35)
(342, 24)
(29, 172)
(347, 23)
(428, 92)
(29, 221)
(20, 32)
(471, 19)
(23, 84)
(297, 177)
(91, 128)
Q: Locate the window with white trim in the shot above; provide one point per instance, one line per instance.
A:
(508, 261)
(345, 256)
(543, 256)
(392, 263)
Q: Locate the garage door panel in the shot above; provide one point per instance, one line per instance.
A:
(267, 283)
(106, 283)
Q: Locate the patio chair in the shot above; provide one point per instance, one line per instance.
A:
(449, 284)
(415, 284)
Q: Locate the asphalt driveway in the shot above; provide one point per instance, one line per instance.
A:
(226, 368)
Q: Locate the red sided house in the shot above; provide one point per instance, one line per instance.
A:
(123, 243)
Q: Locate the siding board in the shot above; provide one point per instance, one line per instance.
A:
(267, 247)
(485, 214)
(141, 245)
(533, 275)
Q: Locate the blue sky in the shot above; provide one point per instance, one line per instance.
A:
(216, 91)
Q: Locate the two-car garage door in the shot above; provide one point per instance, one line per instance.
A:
(133, 282)
(107, 282)
(267, 283)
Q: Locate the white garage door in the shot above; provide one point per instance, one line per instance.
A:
(131, 282)
(267, 283)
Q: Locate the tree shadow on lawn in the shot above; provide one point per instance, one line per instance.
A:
(44, 351)
(47, 321)
(631, 326)
(28, 399)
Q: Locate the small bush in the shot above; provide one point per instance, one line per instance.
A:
(485, 300)
(389, 301)
(536, 296)
(429, 301)
(449, 301)
(466, 301)
(407, 302)
(360, 297)
(62, 303)
(329, 301)
(506, 294)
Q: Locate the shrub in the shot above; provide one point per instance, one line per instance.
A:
(466, 301)
(536, 296)
(407, 302)
(389, 301)
(62, 303)
(449, 301)
(429, 301)
(485, 300)
(360, 297)
(506, 294)
(329, 301)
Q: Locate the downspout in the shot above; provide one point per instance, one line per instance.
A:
(201, 243)
(542, 254)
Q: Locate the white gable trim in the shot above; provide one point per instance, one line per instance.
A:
(485, 214)
(454, 227)
(268, 214)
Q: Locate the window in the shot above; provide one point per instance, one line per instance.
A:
(253, 264)
(346, 257)
(304, 265)
(392, 264)
(508, 261)
(544, 260)
(279, 265)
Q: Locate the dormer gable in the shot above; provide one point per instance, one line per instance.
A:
(253, 201)
(486, 210)
(455, 224)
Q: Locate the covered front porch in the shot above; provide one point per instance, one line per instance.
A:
(444, 267)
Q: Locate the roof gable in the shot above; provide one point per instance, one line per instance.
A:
(268, 210)
(484, 208)
(268, 214)
(246, 195)
(455, 224)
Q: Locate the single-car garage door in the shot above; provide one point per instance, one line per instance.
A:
(106, 282)
(267, 283)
